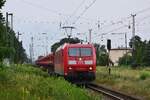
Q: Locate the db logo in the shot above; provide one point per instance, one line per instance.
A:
(80, 62)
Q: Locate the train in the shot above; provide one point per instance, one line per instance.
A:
(72, 61)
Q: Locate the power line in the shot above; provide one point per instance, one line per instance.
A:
(50, 10)
(139, 12)
(116, 23)
(84, 11)
(110, 31)
(75, 11)
(35, 21)
(143, 10)
(144, 18)
(121, 21)
(42, 7)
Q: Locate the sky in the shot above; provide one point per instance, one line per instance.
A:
(32, 18)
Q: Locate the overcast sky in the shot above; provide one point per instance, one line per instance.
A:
(34, 17)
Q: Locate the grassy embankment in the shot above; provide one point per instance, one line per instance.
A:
(28, 83)
(131, 81)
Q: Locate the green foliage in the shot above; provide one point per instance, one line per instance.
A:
(146, 55)
(10, 47)
(144, 75)
(101, 55)
(1, 5)
(28, 83)
(65, 40)
(141, 54)
(125, 60)
(102, 60)
(139, 49)
(125, 79)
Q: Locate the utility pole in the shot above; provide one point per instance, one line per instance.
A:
(7, 40)
(18, 34)
(7, 22)
(11, 15)
(18, 49)
(46, 45)
(46, 41)
(126, 46)
(133, 34)
(98, 25)
(86, 39)
(90, 36)
(9, 37)
(31, 50)
(12, 42)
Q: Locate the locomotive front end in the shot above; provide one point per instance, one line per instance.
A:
(81, 63)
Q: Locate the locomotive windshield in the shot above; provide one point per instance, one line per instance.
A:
(85, 51)
(74, 52)
(80, 52)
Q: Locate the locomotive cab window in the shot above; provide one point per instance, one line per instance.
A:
(80, 52)
(74, 52)
(86, 51)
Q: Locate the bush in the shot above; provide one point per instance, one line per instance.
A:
(126, 60)
(144, 75)
(102, 60)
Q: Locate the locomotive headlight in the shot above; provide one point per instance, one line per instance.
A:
(88, 62)
(70, 68)
(80, 59)
(72, 62)
(90, 68)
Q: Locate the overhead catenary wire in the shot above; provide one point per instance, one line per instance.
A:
(42, 7)
(84, 11)
(121, 21)
(31, 21)
(142, 19)
(105, 33)
(22, 20)
(50, 10)
(143, 10)
(75, 11)
(62, 14)
(137, 13)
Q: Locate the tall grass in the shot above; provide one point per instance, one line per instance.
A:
(125, 79)
(28, 83)
(144, 75)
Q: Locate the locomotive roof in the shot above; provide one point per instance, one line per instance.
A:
(77, 45)
(74, 45)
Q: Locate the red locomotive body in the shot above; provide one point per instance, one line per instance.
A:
(75, 61)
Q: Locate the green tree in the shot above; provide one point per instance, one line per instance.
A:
(64, 40)
(101, 55)
(1, 5)
(141, 54)
(10, 47)
(139, 50)
(146, 58)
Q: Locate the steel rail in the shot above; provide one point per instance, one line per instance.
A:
(115, 95)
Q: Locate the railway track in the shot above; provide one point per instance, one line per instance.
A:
(115, 95)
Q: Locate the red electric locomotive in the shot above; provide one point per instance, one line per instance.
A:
(75, 61)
